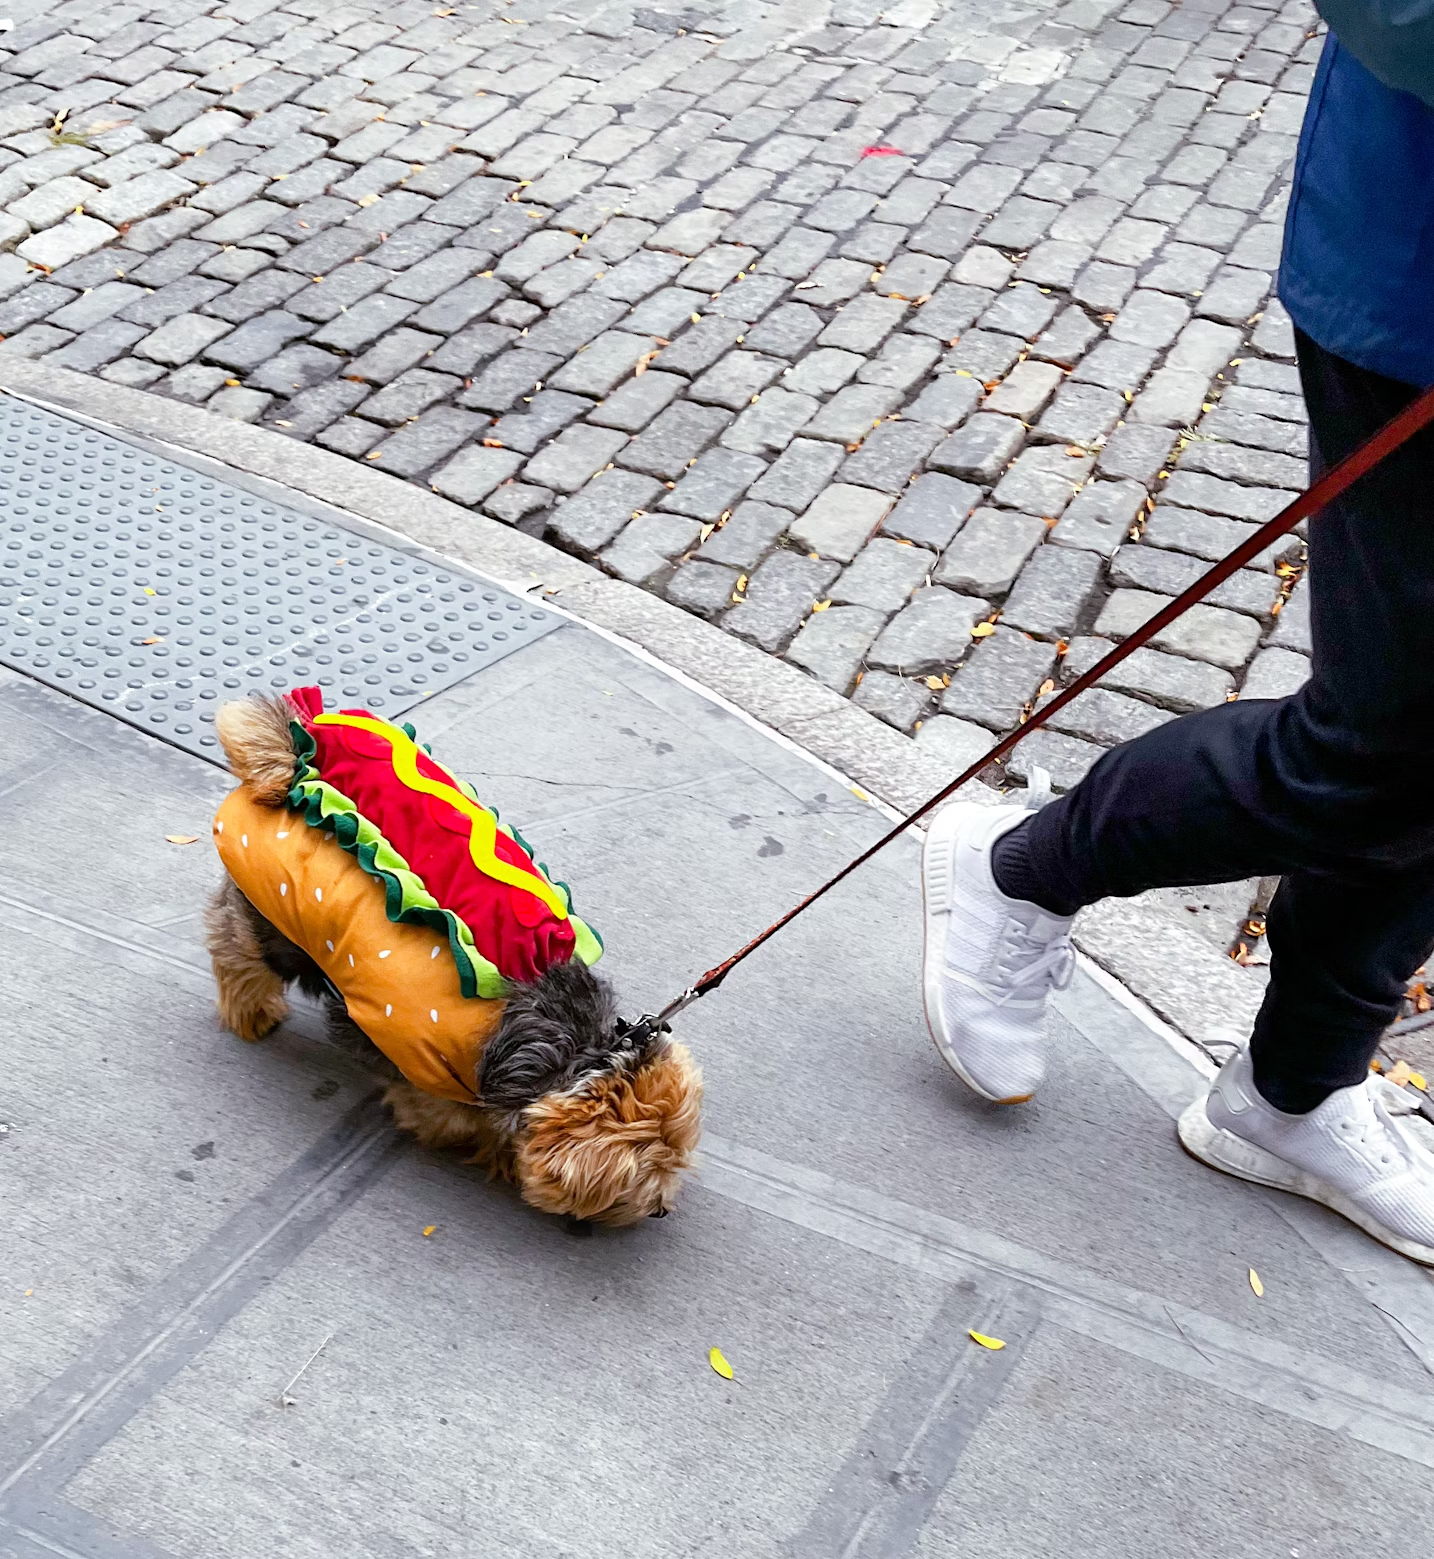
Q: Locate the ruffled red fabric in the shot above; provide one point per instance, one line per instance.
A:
(512, 928)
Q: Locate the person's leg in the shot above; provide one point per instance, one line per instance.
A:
(1328, 788)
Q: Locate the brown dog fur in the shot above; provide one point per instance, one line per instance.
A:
(610, 1147)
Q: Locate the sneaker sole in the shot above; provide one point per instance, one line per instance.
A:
(1232, 1155)
(939, 837)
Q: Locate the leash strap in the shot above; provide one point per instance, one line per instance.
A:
(1417, 415)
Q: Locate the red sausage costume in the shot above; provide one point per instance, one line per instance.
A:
(415, 901)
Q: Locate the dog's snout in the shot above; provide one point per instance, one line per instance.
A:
(659, 1212)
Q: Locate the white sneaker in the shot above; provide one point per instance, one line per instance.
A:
(990, 961)
(1349, 1153)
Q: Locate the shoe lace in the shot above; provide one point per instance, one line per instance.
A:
(1030, 964)
(1381, 1138)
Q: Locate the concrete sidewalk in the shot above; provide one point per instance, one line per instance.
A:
(188, 1218)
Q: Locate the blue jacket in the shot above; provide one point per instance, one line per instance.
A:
(1357, 274)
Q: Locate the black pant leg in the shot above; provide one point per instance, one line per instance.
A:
(1329, 788)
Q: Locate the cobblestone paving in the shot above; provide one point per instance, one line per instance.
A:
(928, 346)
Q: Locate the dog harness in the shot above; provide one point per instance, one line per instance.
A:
(421, 908)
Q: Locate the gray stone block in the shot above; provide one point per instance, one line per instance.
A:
(1054, 592)
(984, 355)
(821, 372)
(419, 446)
(1100, 715)
(946, 402)
(350, 436)
(852, 413)
(643, 553)
(931, 510)
(945, 233)
(674, 439)
(1067, 759)
(930, 634)
(637, 401)
(1292, 630)
(769, 423)
(1275, 673)
(904, 361)
(882, 575)
(573, 324)
(695, 350)
(1104, 287)
(798, 474)
(1068, 337)
(99, 303)
(391, 355)
(841, 521)
(1022, 310)
(703, 588)
(895, 700)
(745, 538)
(1150, 319)
(779, 596)
(1250, 467)
(1023, 392)
(862, 325)
(999, 678)
(475, 473)
(891, 455)
(574, 457)
(526, 428)
(831, 644)
(1043, 480)
(1100, 517)
(100, 344)
(182, 338)
(510, 376)
(600, 367)
(787, 332)
(1081, 414)
(979, 451)
(737, 379)
(298, 367)
(514, 501)
(956, 743)
(1194, 490)
(1172, 681)
(1147, 567)
(1136, 451)
(257, 340)
(990, 551)
(310, 411)
(363, 323)
(952, 309)
(1209, 633)
(667, 313)
(714, 485)
(590, 519)
(239, 404)
(1172, 397)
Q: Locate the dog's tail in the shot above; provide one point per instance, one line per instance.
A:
(255, 734)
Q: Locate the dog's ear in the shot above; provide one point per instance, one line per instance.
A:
(552, 1032)
(613, 1151)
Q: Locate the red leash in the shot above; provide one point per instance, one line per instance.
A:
(1418, 414)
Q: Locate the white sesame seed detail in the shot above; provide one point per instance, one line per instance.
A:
(352, 965)
(283, 889)
(433, 1013)
(384, 953)
(244, 840)
(434, 953)
(388, 1010)
(329, 945)
(282, 834)
(319, 894)
(219, 826)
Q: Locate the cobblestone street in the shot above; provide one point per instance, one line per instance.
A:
(928, 347)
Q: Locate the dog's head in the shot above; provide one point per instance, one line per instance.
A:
(602, 1124)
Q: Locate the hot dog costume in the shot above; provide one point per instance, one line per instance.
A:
(417, 903)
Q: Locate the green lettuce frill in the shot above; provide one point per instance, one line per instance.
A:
(406, 898)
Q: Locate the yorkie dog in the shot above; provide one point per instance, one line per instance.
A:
(363, 872)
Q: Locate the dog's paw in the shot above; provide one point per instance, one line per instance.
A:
(252, 1023)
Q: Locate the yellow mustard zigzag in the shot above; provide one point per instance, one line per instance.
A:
(484, 831)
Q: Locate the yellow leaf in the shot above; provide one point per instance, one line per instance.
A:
(181, 838)
(1046, 687)
(993, 1343)
(741, 582)
(148, 590)
(1400, 1073)
(935, 684)
(1416, 1080)
(718, 1363)
(1256, 1284)
(368, 200)
(983, 630)
(232, 383)
(821, 606)
(429, 1230)
(153, 639)
(374, 454)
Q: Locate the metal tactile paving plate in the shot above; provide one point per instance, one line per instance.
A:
(155, 592)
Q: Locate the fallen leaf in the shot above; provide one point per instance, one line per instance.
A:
(983, 630)
(718, 1363)
(641, 365)
(993, 1343)
(935, 684)
(231, 383)
(820, 606)
(1417, 1080)
(1400, 1073)
(1046, 687)
(181, 838)
(374, 454)
(429, 1230)
(882, 151)
(148, 590)
(1074, 449)
(368, 200)
(492, 443)
(741, 583)
(1256, 1284)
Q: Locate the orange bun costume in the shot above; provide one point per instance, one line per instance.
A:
(419, 905)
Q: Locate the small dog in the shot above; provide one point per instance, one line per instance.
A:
(589, 1117)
